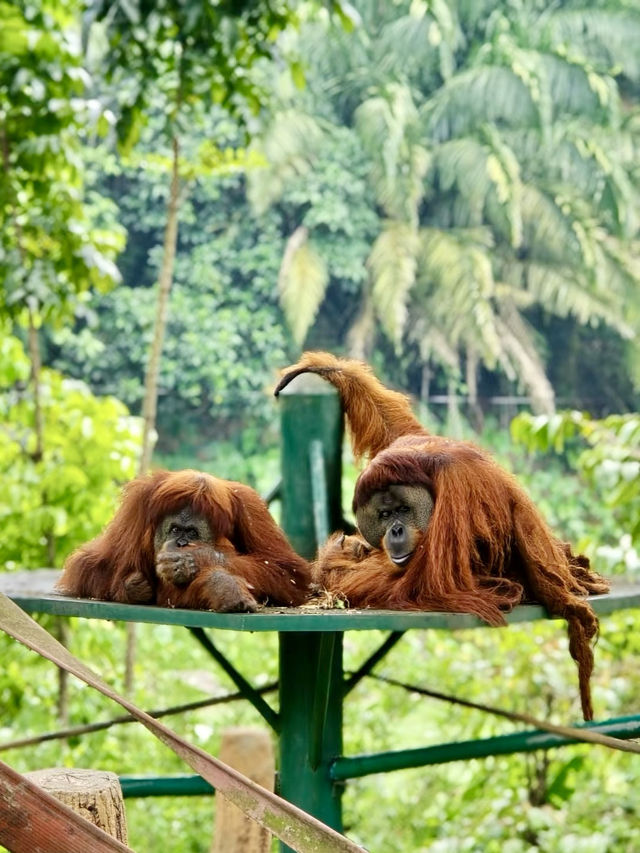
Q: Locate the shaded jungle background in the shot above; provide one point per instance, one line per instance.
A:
(449, 190)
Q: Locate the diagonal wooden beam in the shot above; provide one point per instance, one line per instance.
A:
(290, 824)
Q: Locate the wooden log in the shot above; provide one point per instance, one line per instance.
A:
(250, 751)
(94, 794)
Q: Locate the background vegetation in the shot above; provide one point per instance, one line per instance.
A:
(449, 189)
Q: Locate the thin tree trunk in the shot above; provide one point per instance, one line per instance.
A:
(425, 385)
(130, 655)
(454, 421)
(475, 412)
(36, 368)
(63, 636)
(150, 403)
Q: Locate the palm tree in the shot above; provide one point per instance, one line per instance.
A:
(500, 149)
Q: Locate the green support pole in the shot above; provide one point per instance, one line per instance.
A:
(311, 722)
(312, 429)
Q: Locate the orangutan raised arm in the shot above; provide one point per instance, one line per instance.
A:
(448, 528)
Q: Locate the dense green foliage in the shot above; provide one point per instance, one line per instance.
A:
(225, 338)
(526, 218)
(173, 56)
(55, 242)
(499, 143)
(607, 455)
(450, 188)
(49, 505)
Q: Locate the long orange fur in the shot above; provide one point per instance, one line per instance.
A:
(254, 547)
(486, 548)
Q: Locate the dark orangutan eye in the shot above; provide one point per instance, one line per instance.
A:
(174, 529)
(191, 532)
(384, 513)
(404, 510)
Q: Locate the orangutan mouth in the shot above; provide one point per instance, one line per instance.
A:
(400, 561)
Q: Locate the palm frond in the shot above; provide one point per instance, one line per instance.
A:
(562, 84)
(474, 97)
(287, 148)
(387, 125)
(595, 163)
(577, 90)
(392, 264)
(407, 48)
(434, 344)
(456, 287)
(302, 283)
(504, 172)
(608, 38)
(564, 291)
(486, 175)
(518, 347)
(548, 232)
(460, 166)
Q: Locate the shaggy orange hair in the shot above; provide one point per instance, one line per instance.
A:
(486, 547)
(120, 564)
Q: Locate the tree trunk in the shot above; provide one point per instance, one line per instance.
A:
(93, 794)
(475, 412)
(130, 655)
(36, 369)
(454, 421)
(150, 403)
(425, 385)
(63, 635)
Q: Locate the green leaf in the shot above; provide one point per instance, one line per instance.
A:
(297, 74)
(392, 265)
(302, 284)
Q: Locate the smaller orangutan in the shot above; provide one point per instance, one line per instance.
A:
(187, 539)
(442, 526)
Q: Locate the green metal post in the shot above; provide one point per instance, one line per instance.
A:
(312, 429)
(311, 722)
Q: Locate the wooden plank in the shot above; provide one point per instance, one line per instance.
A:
(33, 592)
(301, 831)
(32, 821)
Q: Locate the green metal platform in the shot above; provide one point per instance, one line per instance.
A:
(313, 685)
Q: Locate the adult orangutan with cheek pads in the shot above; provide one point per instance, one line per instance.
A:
(442, 526)
(187, 539)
